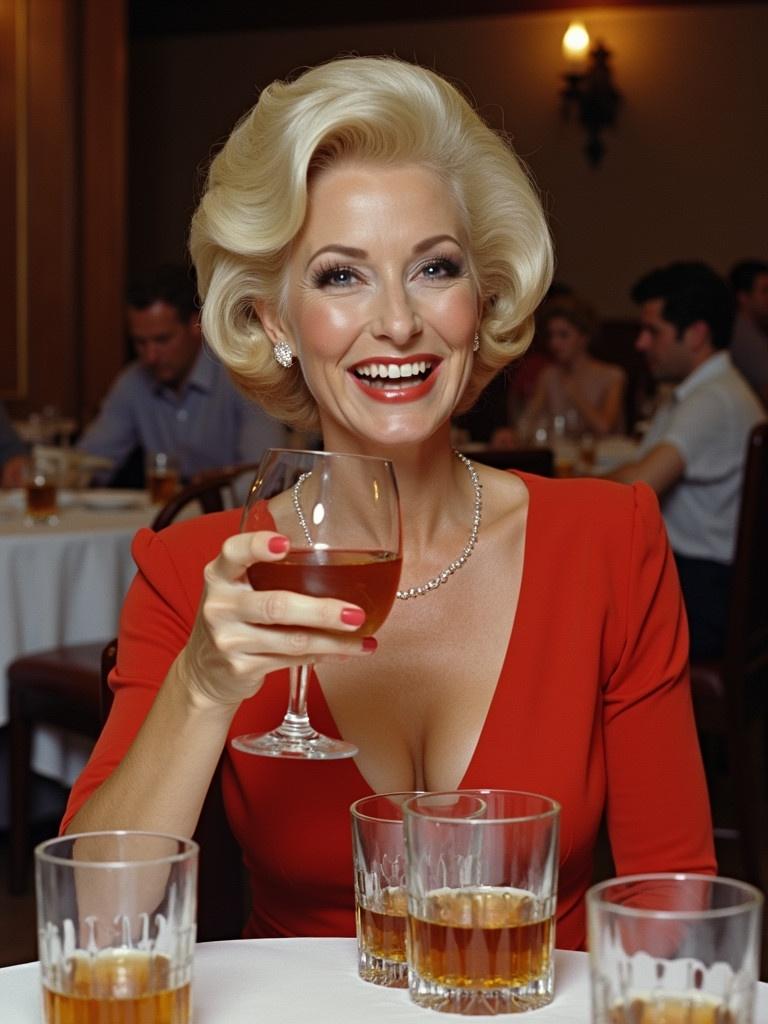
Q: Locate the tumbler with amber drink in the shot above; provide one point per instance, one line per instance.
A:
(341, 515)
(674, 949)
(381, 898)
(482, 886)
(41, 486)
(116, 927)
(162, 476)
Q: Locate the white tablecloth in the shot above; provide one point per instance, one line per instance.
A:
(312, 981)
(63, 584)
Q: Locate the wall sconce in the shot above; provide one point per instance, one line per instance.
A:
(589, 88)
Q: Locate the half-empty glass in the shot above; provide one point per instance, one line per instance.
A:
(482, 890)
(673, 949)
(116, 927)
(381, 898)
(41, 476)
(162, 476)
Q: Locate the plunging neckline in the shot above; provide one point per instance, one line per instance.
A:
(323, 708)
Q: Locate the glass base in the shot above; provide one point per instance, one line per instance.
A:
(378, 971)
(481, 1001)
(314, 747)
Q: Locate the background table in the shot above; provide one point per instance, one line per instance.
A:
(63, 584)
(313, 981)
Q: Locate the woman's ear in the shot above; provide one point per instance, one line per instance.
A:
(270, 321)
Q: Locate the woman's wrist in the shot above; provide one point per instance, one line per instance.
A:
(191, 684)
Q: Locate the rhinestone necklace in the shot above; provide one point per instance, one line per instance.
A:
(442, 577)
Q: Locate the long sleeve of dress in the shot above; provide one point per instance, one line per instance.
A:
(657, 810)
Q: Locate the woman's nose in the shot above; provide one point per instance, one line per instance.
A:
(395, 318)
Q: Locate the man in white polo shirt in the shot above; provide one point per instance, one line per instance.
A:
(694, 451)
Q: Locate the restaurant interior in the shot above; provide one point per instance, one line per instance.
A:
(110, 111)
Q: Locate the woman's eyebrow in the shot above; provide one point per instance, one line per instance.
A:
(421, 247)
(361, 254)
(343, 250)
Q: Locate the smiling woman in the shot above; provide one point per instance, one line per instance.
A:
(370, 253)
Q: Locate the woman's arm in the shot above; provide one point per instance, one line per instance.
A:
(177, 688)
(604, 417)
(538, 401)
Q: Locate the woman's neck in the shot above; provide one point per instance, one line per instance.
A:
(434, 486)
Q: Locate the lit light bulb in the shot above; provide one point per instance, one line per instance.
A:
(576, 43)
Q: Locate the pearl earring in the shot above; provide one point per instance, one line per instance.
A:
(476, 342)
(283, 354)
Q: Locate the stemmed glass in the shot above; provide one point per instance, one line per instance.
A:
(341, 514)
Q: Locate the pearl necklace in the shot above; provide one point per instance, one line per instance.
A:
(442, 577)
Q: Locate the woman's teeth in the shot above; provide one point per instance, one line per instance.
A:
(393, 371)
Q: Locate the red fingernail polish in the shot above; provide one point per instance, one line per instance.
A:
(352, 616)
(277, 545)
(370, 643)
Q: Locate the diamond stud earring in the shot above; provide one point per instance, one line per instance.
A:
(283, 354)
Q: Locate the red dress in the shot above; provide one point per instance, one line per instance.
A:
(592, 707)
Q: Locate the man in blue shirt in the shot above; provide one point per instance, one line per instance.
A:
(694, 451)
(176, 397)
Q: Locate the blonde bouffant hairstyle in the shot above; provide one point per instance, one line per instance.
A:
(384, 111)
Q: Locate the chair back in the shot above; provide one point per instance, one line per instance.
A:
(213, 490)
(746, 653)
(730, 695)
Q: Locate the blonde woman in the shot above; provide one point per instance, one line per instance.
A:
(364, 216)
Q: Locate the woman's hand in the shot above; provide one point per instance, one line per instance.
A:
(241, 634)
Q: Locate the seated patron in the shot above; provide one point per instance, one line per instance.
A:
(749, 343)
(176, 397)
(13, 453)
(587, 394)
(408, 237)
(694, 450)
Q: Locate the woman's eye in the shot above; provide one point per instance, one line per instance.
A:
(337, 276)
(440, 268)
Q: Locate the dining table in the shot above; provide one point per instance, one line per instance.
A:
(64, 583)
(295, 981)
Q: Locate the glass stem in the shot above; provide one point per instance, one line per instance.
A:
(296, 725)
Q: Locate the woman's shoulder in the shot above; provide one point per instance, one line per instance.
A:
(190, 542)
(590, 502)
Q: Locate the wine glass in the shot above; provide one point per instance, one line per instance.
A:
(341, 514)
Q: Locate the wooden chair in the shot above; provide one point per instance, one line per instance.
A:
(61, 686)
(730, 695)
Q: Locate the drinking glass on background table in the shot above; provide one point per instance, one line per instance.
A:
(341, 514)
(381, 898)
(162, 476)
(116, 927)
(482, 889)
(673, 949)
(41, 487)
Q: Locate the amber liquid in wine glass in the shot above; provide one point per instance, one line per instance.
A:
(341, 514)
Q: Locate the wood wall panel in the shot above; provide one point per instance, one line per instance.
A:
(13, 97)
(62, 201)
(104, 89)
(52, 308)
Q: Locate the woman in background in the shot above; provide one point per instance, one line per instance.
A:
(586, 393)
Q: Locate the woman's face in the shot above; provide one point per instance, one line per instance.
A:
(380, 307)
(565, 341)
